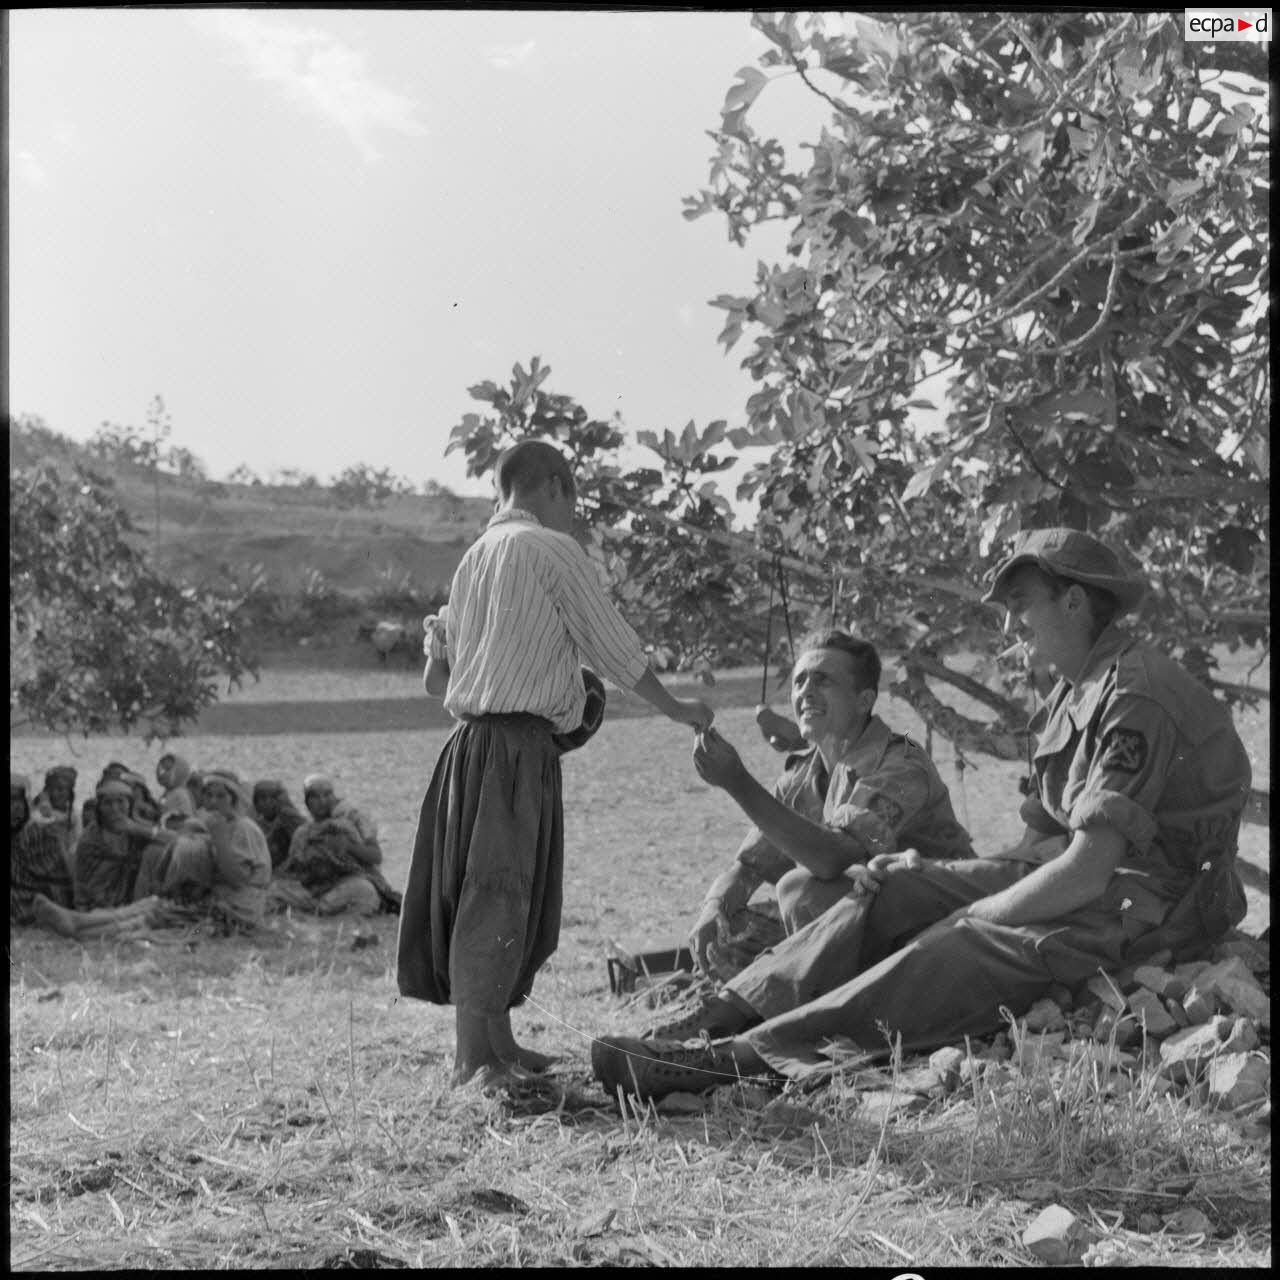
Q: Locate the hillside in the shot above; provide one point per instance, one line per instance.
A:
(201, 530)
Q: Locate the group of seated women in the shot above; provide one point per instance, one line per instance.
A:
(207, 847)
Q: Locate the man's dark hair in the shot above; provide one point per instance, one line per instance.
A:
(529, 464)
(863, 657)
(1103, 606)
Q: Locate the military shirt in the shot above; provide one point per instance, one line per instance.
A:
(885, 792)
(1138, 744)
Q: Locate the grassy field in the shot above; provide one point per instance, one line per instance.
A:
(208, 1103)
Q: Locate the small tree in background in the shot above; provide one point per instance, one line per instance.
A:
(364, 486)
(99, 640)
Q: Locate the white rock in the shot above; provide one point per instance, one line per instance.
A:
(1237, 1079)
(1184, 1053)
(887, 1103)
(1057, 1236)
(946, 1062)
(1188, 1222)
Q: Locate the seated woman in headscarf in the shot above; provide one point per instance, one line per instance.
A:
(333, 859)
(146, 808)
(219, 865)
(176, 800)
(40, 886)
(109, 852)
(277, 816)
(55, 808)
(36, 863)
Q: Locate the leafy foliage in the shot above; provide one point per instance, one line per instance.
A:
(1065, 215)
(98, 639)
(660, 535)
(1059, 219)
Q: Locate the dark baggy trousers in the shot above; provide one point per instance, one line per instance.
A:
(481, 909)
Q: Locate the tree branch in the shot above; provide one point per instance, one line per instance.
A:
(963, 732)
(1108, 302)
(1005, 708)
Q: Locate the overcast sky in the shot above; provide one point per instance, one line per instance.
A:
(311, 230)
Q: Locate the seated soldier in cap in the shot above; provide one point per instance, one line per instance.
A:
(1138, 784)
(333, 859)
(858, 790)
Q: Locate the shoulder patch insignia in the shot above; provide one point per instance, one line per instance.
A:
(1124, 750)
(888, 811)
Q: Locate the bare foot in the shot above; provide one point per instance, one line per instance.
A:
(465, 1072)
(532, 1060)
(503, 1043)
(498, 1077)
(53, 917)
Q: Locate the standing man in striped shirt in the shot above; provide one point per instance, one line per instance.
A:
(481, 911)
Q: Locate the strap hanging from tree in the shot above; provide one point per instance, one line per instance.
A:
(768, 641)
(768, 633)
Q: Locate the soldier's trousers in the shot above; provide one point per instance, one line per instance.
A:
(900, 964)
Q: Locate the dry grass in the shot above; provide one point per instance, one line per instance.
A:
(211, 1103)
(224, 1104)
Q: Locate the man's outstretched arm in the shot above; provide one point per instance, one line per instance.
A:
(822, 852)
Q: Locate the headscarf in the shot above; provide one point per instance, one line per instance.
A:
(61, 771)
(179, 770)
(230, 780)
(272, 787)
(20, 782)
(114, 787)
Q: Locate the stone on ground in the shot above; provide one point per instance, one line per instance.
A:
(1057, 1237)
(1149, 1011)
(1238, 1079)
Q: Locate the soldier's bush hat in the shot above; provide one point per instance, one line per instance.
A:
(1074, 555)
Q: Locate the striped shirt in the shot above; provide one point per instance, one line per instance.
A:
(526, 613)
